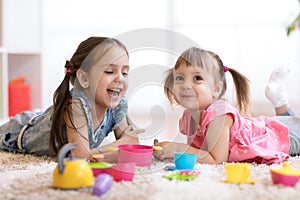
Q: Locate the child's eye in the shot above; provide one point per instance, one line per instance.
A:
(198, 78)
(125, 73)
(109, 72)
(178, 78)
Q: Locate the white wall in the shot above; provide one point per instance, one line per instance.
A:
(247, 35)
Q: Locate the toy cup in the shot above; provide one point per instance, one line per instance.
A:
(237, 172)
(184, 160)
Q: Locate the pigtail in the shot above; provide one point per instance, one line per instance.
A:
(241, 84)
(61, 98)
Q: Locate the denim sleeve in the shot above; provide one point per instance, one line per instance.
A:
(119, 113)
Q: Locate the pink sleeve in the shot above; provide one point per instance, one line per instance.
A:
(185, 123)
(217, 109)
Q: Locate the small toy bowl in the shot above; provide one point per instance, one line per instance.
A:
(100, 168)
(141, 155)
(123, 171)
(184, 160)
(120, 172)
(285, 175)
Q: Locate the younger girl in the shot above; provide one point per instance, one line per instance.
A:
(84, 114)
(217, 131)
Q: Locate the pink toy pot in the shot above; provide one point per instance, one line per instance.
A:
(120, 172)
(285, 175)
(100, 168)
(123, 171)
(97, 171)
(137, 153)
(286, 180)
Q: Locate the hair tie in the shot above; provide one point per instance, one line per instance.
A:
(69, 70)
(225, 68)
(69, 67)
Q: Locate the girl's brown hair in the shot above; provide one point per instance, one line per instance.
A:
(84, 58)
(202, 58)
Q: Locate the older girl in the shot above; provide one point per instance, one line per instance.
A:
(83, 114)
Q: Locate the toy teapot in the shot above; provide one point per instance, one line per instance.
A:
(71, 172)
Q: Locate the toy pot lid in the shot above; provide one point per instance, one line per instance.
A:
(286, 169)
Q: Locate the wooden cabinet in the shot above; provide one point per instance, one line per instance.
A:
(20, 48)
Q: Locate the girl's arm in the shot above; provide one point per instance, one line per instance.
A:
(77, 129)
(124, 134)
(77, 132)
(217, 140)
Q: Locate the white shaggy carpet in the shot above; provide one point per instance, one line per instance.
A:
(30, 177)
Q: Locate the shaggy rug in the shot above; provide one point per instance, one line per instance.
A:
(30, 177)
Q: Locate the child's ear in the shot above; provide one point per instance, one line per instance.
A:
(218, 89)
(83, 78)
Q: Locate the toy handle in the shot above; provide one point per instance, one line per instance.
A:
(62, 154)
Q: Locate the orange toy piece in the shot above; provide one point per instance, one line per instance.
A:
(18, 96)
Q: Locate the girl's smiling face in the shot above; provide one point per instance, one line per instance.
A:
(193, 87)
(109, 84)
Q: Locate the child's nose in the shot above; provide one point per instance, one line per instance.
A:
(119, 77)
(186, 85)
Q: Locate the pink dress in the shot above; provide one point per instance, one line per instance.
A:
(260, 140)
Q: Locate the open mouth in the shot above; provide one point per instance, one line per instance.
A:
(114, 91)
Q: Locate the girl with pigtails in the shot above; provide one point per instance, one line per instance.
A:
(218, 131)
(87, 106)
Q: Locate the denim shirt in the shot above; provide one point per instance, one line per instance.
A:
(111, 120)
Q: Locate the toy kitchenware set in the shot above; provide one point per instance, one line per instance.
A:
(72, 173)
(129, 156)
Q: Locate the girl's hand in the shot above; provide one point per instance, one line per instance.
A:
(127, 132)
(132, 133)
(167, 152)
(96, 158)
(128, 135)
(108, 156)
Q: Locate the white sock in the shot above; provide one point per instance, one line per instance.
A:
(276, 90)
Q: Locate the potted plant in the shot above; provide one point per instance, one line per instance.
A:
(294, 25)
